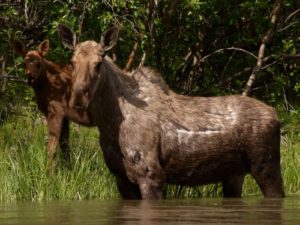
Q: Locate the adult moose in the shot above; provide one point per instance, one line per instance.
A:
(151, 136)
(51, 83)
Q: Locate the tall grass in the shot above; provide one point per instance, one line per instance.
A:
(24, 176)
(23, 164)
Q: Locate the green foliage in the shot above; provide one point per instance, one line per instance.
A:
(175, 35)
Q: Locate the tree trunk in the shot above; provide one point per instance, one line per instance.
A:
(261, 52)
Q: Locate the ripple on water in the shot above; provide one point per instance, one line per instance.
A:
(212, 211)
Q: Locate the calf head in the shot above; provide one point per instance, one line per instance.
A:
(33, 60)
(86, 61)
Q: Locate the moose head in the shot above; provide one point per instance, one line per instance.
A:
(33, 60)
(86, 61)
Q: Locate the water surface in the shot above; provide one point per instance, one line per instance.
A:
(167, 212)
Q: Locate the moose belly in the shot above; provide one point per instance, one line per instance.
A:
(196, 171)
(193, 158)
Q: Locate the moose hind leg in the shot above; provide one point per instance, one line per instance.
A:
(232, 186)
(268, 178)
(64, 142)
(265, 165)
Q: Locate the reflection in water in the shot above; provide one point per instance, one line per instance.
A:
(196, 211)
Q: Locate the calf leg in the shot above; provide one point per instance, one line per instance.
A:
(127, 189)
(54, 130)
(232, 186)
(64, 141)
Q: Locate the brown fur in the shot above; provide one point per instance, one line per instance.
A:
(51, 83)
(151, 136)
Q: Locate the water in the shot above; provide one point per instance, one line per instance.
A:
(254, 211)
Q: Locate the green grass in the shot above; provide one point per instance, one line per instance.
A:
(24, 176)
(23, 162)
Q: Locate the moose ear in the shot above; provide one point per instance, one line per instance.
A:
(67, 36)
(109, 38)
(44, 47)
(20, 48)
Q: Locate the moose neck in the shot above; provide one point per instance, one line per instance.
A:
(110, 93)
(53, 69)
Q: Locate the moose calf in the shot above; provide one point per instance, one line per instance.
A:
(51, 83)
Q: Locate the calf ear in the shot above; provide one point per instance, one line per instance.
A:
(44, 47)
(20, 48)
(109, 38)
(67, 36)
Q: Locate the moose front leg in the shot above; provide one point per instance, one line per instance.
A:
(152, 183)
(147, 173)
(151, 188)
(127, 189)
(54, 133)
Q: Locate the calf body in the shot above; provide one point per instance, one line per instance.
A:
(51, 83)
(151, 136)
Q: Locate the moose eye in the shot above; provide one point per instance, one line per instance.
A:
(38, 65)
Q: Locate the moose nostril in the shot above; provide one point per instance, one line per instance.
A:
(80, 91)
(78, 106)
(75, 104)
